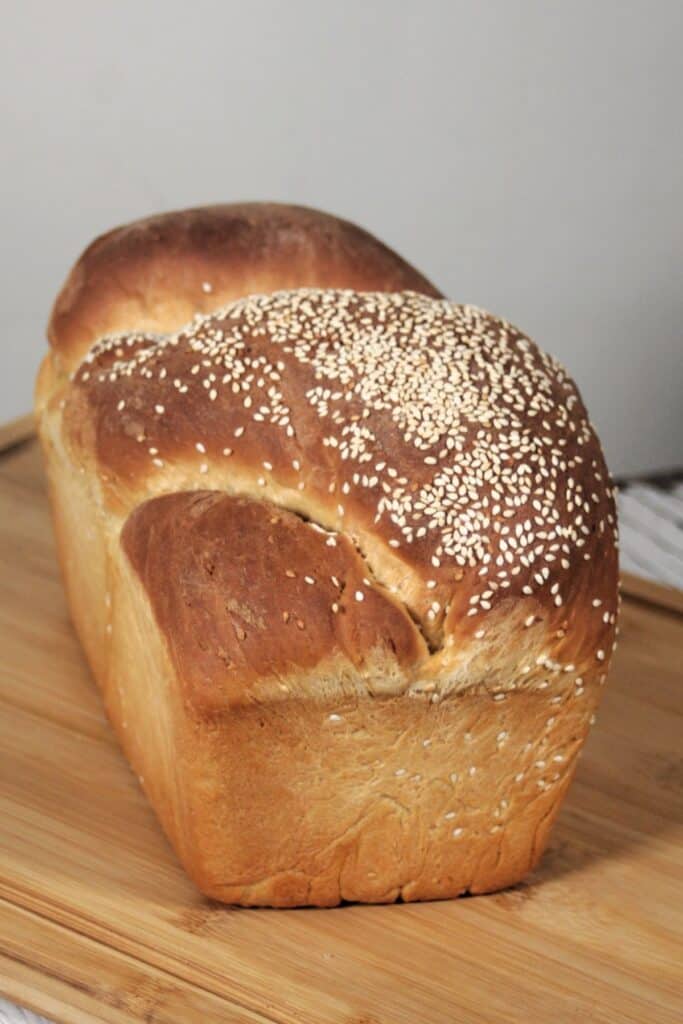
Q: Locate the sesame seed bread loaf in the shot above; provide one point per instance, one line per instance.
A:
(341, 554)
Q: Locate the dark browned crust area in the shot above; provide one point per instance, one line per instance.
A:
(249, 595)
(156, 273)
(161, 417)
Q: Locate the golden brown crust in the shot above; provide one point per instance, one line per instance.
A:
(392, 798)
(343, 561)
(249, 597)
(156, 273)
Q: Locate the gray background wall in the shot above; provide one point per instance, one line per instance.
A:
(527, 156)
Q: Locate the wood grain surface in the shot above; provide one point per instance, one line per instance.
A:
(99, 923)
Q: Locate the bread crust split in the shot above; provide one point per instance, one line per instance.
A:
(339, 552)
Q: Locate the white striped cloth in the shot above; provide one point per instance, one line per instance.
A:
(10, 1014)
(651, 532)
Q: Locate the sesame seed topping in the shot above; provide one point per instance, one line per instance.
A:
(488, 471)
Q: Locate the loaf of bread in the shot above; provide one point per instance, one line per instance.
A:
(341, 554)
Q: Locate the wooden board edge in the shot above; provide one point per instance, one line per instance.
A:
(73, 979)
(16, 431)
(639, 589)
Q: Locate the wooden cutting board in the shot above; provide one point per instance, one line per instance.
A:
(99, 923)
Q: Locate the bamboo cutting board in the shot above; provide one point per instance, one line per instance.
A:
(98, 922)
